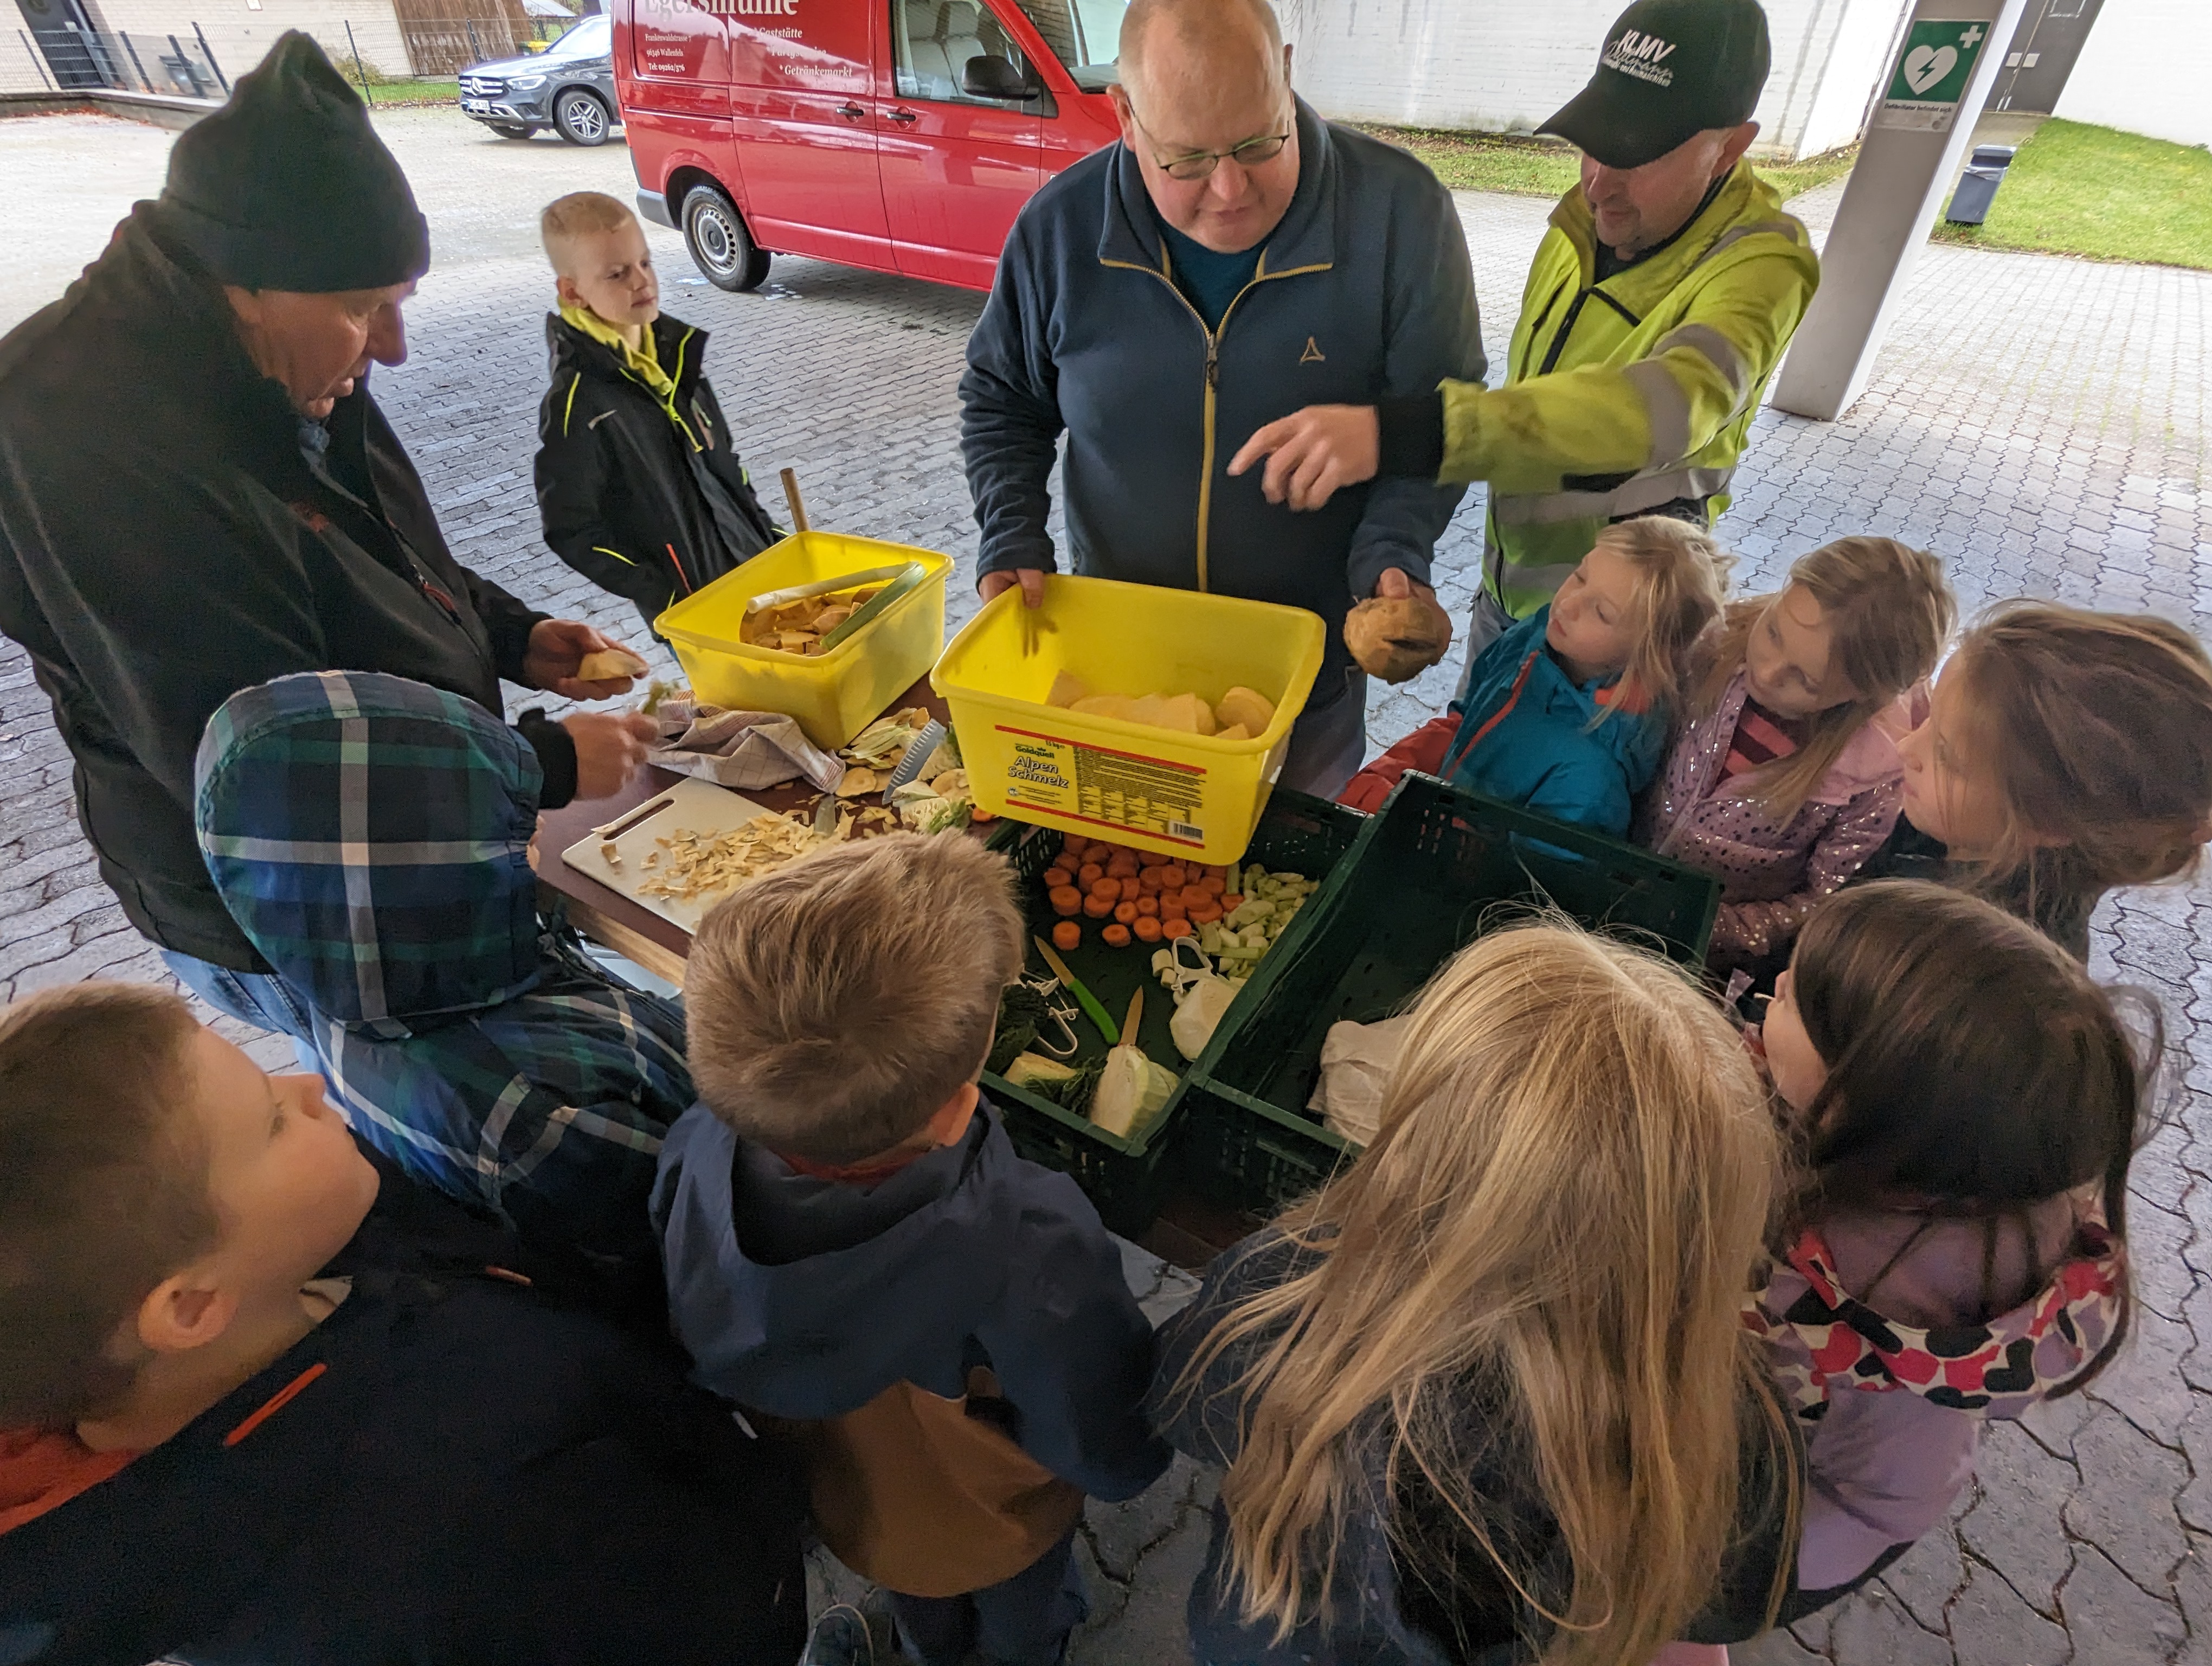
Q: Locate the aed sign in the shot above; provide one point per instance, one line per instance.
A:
(1931, 74)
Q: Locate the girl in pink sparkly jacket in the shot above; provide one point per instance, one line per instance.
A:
(1786, 776)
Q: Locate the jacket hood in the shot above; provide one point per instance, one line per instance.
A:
(370, 836)
(1634, 747)
(826, 1291)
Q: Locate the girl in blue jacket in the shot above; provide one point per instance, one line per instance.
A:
(1567, 712)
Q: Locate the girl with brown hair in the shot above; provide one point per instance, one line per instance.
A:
(1969, 1102)
(1488, 1395)
(1785, 777)
(2063, 753)
(1566, 713)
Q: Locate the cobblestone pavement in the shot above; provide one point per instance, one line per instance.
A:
(2040, 422)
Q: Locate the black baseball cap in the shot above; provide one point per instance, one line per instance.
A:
(1670, 69)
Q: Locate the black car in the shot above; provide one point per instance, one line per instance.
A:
(569, 88)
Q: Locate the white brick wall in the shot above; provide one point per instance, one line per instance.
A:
(2142, 69)
(240, 36)
(1500, 67)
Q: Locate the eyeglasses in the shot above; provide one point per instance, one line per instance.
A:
(1199, 164)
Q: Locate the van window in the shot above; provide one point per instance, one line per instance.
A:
(931, 41)
(1086, 34)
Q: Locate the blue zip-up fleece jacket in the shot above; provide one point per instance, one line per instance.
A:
(450, 1470)
(1364, 292)
(371, 835)
(806, 1298)
(1540, 751)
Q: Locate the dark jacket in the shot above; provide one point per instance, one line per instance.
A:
(464, 1037)
(647, 500)
(164, 542)
(2047, 893)
(806, 1299)
(1450, 1609)
(472, 1475)
(1364, 290)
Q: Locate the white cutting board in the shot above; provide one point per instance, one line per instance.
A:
(698, 806)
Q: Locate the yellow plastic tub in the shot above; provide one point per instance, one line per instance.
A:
(834, 695)
(1155, 789)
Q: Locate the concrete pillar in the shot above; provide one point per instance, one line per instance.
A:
(1923, 117)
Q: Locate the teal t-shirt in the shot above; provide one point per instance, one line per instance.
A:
(1209, 281)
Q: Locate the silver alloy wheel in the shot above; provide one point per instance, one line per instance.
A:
(582, 118)
(714, 239)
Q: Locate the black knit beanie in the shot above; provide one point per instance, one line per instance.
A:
(288, 187)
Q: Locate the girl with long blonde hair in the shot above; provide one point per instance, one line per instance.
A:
(1567, 712)
(1489, 1391)
(1785, 776)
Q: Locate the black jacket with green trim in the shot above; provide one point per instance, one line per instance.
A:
(647, 499)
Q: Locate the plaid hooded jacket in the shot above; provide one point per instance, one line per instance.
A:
(370, 835)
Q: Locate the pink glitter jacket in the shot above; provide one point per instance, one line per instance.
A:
(1773, 874)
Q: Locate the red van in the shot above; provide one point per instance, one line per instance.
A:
(900, 134)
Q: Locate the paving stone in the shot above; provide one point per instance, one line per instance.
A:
(2113, 1621)
(1121, 1534)
(1990, 1626)
(2015, 1523)
(1871, 1624)
(2130, 1514)
(1928, 1575)
(1777, 1648)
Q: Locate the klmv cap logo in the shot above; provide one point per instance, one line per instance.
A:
(1641, 55)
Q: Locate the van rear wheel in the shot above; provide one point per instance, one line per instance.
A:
(720, 247)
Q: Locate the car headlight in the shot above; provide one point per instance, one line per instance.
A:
(524, 83)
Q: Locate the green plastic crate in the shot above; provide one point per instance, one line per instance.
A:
(1433, 870)
(1128, 1179)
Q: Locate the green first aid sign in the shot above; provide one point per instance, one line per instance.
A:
(1937, 59)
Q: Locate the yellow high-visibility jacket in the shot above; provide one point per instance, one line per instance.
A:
(1623, 396)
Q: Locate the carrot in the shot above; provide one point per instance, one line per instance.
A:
(1096, 907)
(1148, 908)
(1151, 859)
(1131, 890)
(1172, 929)
(1172, 878)
(1109, 889)
(1205, 916)
(1231, 900)
(1148, 881)
(1067, 937)
(1171, 908)
(1195, 897)
(1090, 875)
(1116, 937)
(1066, 900)
(1148, 930)
(1126, 913)
(1054, 878)
(1213, 884)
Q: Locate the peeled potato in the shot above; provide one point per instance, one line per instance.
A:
(1233, 731)
(1107, 705)
(609, 665)
(1191, 715)
(1242, 705)
(1397, 638)
(1066, 690)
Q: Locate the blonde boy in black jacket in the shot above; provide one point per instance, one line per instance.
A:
(639, 487)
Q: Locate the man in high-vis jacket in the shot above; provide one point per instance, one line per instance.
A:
(1658, 306)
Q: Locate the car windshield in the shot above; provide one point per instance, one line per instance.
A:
(587, 39)
(1086, 35)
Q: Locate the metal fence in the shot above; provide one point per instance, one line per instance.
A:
(73, 59)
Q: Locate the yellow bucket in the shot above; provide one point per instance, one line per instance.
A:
(834, 695)
(1154, 789)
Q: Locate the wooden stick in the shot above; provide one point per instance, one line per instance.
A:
(791, 496)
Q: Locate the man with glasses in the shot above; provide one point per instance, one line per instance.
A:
(1233, 257)
(1658, 305)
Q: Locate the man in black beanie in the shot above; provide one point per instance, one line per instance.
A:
(198, 494)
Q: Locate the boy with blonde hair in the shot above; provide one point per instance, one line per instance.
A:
(852, 1244)
(640, 488)
(260, 1400)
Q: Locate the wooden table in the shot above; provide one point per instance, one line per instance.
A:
(1190, 1232)
(622, 923)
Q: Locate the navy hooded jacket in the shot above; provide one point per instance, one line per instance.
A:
(1364, 292)
(806, 1299)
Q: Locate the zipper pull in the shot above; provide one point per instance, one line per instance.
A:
(1212, 361)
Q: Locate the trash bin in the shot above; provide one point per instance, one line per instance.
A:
(1978, 186)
